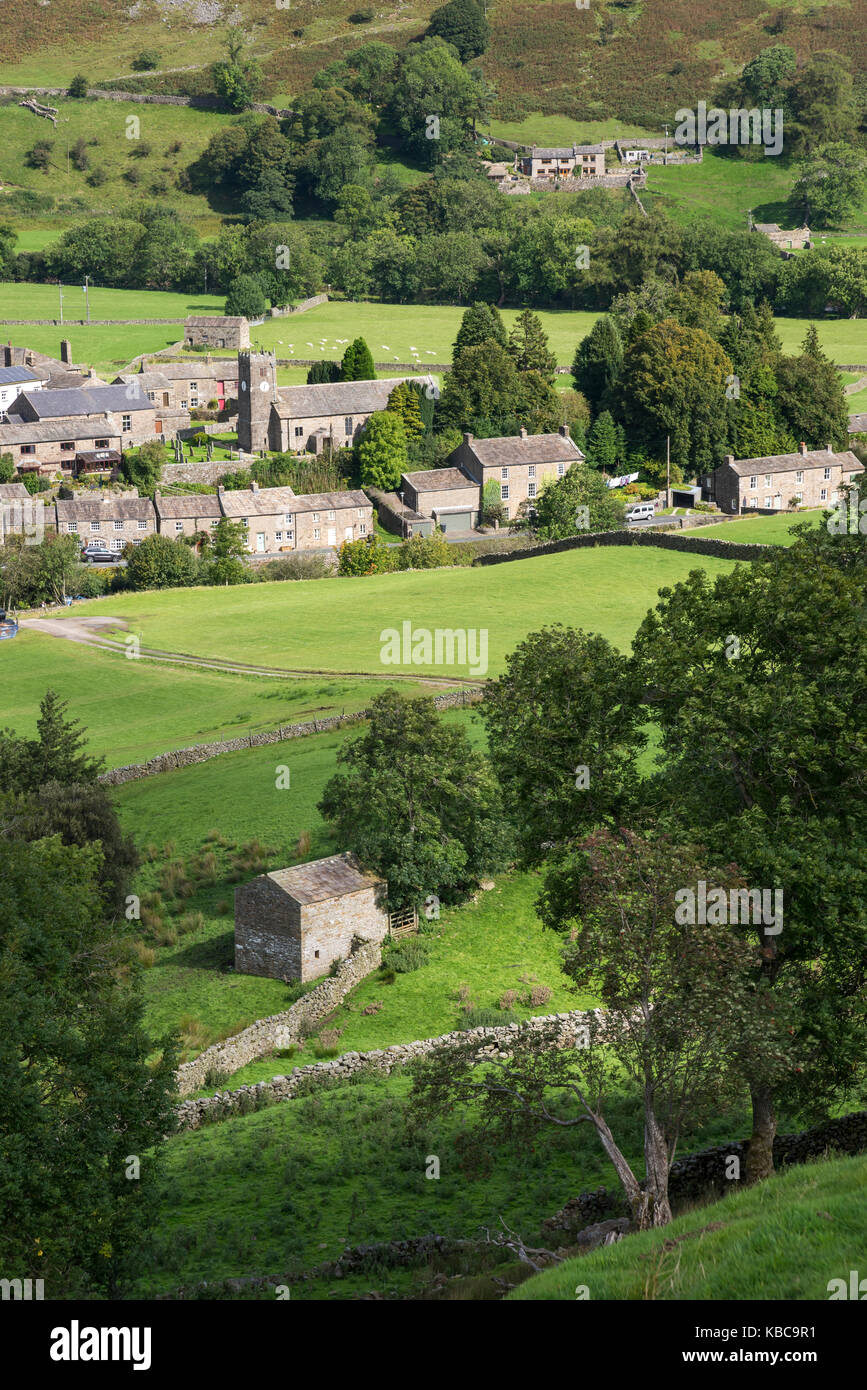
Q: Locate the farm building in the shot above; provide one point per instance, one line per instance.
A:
(293, 923)
(216, 331)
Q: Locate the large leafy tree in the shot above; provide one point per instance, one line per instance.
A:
(485, 392)
(161, 562)
(381, 451)
(830, 184)
(756, 680)
(461, 23)
(417, 804)
(579, 501)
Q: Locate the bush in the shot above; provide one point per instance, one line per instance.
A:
(297, 566)
(97, 177)
(365, 557)
(35, 483)
(146, 61)
(508, 999)
(78, 86)
(486, 1018)
(410, 955)
(537, 995)
(362, 16)
(425, 553)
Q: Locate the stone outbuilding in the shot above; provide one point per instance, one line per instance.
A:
(293, 923)
(216, 331)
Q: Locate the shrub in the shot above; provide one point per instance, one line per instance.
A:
(145, 61)
(486, 1018)
(78, 86)
(97, 177)
(366, 556)
(326, 1044)
(362, 16)
(508, 999)
(410, 955)
(373, 1008)
(146, 955)
(191, 921)
(286, 1053)
(223, 907)
(298, 567)
(214, 1078)
(539, 994)
(425, 553)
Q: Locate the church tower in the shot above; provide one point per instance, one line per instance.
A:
(257, 392)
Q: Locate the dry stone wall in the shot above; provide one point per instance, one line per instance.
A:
(724, 550)
(278, 1030)
(566, 1030)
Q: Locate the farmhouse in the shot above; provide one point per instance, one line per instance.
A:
(449, 496)
(293, 923)
(587, 161)
(112, 522)
(306, 419)
(520, 464)
(216, 331)
(809, 478)
(47, 429)
(279, 520)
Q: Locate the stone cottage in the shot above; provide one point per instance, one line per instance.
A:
(216, 331)
(293, 923)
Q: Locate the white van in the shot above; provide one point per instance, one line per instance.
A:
(641, 511)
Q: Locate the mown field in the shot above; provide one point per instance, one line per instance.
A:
(337, 625)
(762, 1243)
(33, 301)
(766, 530)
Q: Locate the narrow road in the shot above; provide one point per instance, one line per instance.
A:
(92, 632)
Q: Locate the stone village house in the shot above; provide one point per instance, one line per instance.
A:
(587, 161)
(809, 478)
(293, 923)
(47, 430)
(111, 521)
(216, 331)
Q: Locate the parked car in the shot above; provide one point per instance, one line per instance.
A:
(97, 554)
(641, 511)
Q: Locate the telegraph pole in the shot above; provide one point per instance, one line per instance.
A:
(87, 295)
(668, 470)
(60, 287)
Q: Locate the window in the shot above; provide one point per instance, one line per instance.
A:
(100, 443)
(152, 395)
(215, 522)
(142, 525)
(179, 526)
(194, 386)
(278, 535)
(768, 501)
(28, 448)
(94, 526)
(799, 475)
(531, 470)
(504, 473)
(361, 511)
(245, 521)
(561, 469)
(754, 501)
(826, 473)
(66, 448)
(329, 516)
(531, 489)
(136, 540)
(184, 405)
(504, 492)
(754, 482)
(299, 430)
(347, 424)
(72, 526)
(316, 533)
(194, 400)
(118, 526)
(767, 480)
(117, 543)
(362, 529)
(315, 516)
(823, 494)
(289, 535)
(126, 423)
(288, 519)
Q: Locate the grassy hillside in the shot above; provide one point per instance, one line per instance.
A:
(781, 1241)
(33, 301)
(766, 530)
(336, 625)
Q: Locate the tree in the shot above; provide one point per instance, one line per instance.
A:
(761, 755)
(698, 301)
(160, 562)
(8, 240)
(357, 364)
(416, 803)
(433, 82)
(146, 60)
(485, 392)
(7, 468)
(560, 507)
(811, 401)
(107, 249)
(245, 298)
(673, 384)
(55, 755)
(528, 345)
(78, 86)
(480, 323)
(461, 23)
(564, 732)
(764, 79)
(847, 279)
(77, 1096)
(237, 78)
(225, 564)
(143, 467)
(323, 370)
(598, 361)
(606, 445)
(830, 184)
(824, 108)
(381, 451)
(404, 402)
(59, 563)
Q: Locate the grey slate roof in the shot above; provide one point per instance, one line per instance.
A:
(324, 878)
(145, 381)
(13, 492)
(566, 151)
(110, 508)
(49, 404)
(19, 431)
(10, 376)
(206, 320)
(339, 397)
(440, 480)
(267, 501)
(199, 369)
(189, 506)
(858, 423)
(534, 448)
(787, 463)
(328, 501)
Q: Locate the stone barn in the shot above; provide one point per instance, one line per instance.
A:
(216, 331)
(292, 923)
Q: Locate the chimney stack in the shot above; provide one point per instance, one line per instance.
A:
(523, 432)
(564, 430)
(468, 439)
(830, 449)
(66, 351)
(730, 458)
(802, 447)
(254, 487)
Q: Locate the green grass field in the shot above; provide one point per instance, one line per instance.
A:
(767, 1245)
(32, 301)
(766, 530)
(336, 626)
(537, 129)
(107, 349)
(135, 709)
